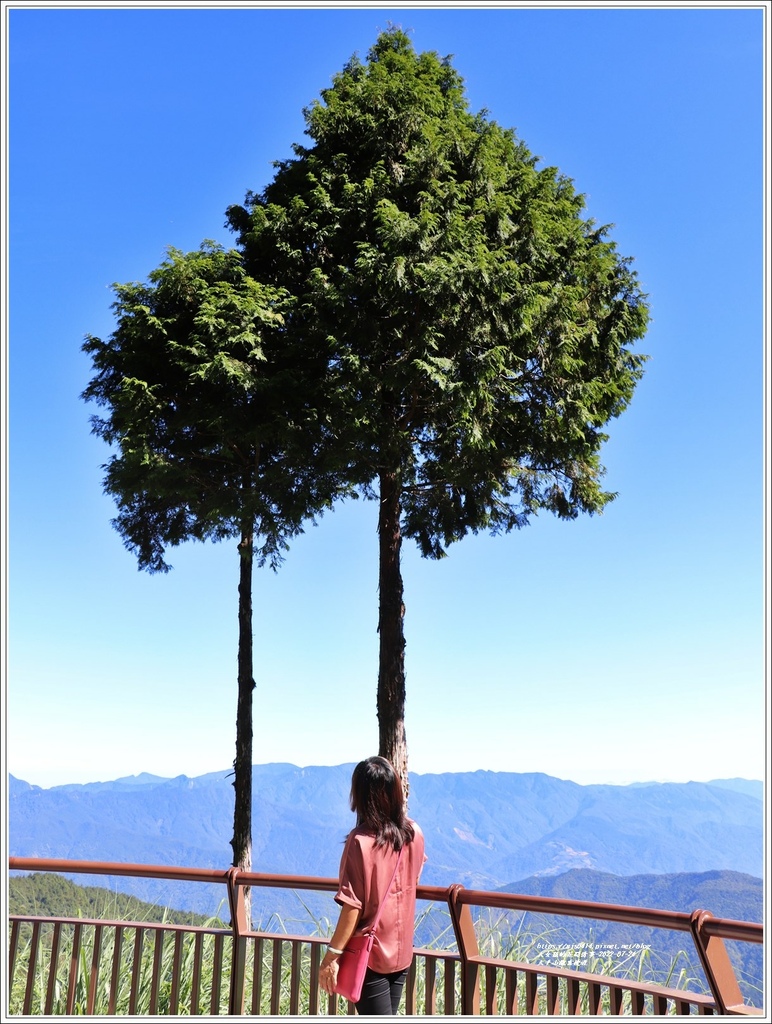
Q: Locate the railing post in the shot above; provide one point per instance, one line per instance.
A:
(716, 964)
(468, 950)
(239, 953)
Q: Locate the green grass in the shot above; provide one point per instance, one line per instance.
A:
(146, 948)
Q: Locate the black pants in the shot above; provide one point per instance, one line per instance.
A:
(381, 994)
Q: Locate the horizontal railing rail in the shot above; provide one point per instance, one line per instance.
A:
(236, 970)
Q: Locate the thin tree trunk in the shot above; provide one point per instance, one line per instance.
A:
(242, 765)
(392, 743)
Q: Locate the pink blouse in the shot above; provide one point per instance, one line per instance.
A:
(365, 873)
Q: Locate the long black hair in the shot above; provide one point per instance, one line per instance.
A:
(378, 800)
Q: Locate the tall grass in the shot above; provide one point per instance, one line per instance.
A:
(138, 977)
(119, 970)
(498, 938)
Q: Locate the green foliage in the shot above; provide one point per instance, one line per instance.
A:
(210, 428)
(478, 327)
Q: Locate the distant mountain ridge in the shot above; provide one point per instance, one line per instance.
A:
(677, 846)
(482, 828)
(728, 894)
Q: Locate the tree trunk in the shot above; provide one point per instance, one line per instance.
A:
(392, 743)
(242, 765)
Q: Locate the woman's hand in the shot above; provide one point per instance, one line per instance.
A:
(328, 975)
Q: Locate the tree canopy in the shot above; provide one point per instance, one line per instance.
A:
(211, 426)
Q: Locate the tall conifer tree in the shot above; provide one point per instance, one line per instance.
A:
(215, 435)
(478, 326)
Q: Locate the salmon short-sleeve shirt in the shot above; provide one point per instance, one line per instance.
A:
(365, 873)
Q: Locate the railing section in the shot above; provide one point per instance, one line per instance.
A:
(71, 966)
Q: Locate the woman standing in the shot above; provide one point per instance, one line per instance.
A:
(371, 853)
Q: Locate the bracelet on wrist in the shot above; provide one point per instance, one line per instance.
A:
(337, 952)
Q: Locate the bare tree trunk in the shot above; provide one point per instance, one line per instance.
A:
(242, 765)
(392, 743)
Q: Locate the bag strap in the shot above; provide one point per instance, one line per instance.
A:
(377, 917)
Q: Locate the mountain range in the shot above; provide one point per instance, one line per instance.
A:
(676, 846)
(482, 828)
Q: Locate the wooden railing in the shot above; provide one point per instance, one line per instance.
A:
(71, 965)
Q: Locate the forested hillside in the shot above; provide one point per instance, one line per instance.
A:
(45, 894)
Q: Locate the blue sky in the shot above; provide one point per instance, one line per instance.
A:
(619, 648)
